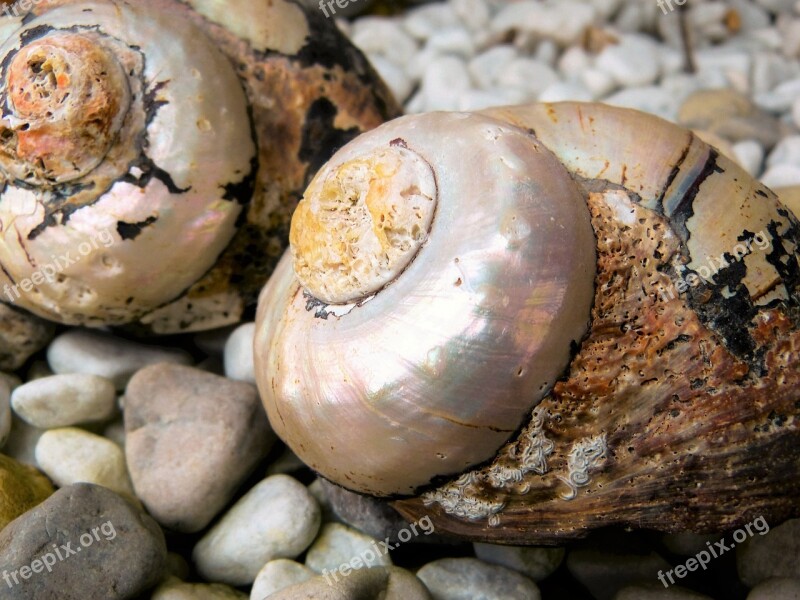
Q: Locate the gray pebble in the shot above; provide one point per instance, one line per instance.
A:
(778, 588)
(339, 545)
(82, 351)
(191, 438)
(64, 400)
(277, 518)
(21, 335)
(604, 573)
(389, 583)
(175, 589)
(773, 554)
(470, 579)
(108, 549)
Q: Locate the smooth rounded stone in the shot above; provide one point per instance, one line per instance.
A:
(21, 333)
(415, 68)
(64, 400)
(176, 566)
(6, 418)
(72, 455)
(781, 98)
(565, 90)
(277, 518)
(175, 589)
(778, 588)
(750, 155)
(774, 554)
(21, 443)
(563, 22)
(21, 488)
(478, 99)
(115, 431)
(109, 549)
(528, 75)
(390, 583)
(598, 82)
(384, 37)
(484, 67)
(277, 575)
(636, 16)
(536, 563)
(400, 86)
(574, 61)
(632, 62)
(751, 15)
(371, 516)
(117, 359)
(771, 69)
(651, 99)
(656, 591)
(424, 22)
(785, 152)
(317, 489)
(604, 573)
(475, 14)
(781, 176)
(191, 438)
(470, 578)
(445, 78)
(339, 544)
(729, 114)
(453, 40)
(796, 113)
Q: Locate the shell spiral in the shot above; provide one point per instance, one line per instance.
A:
(593, 330)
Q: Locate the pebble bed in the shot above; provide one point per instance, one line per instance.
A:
(163, 478)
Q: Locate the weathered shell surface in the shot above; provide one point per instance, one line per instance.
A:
(307, 92)
(679, 409)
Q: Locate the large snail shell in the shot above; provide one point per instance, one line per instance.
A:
(503, 276)
(170, 171)
(684, 381)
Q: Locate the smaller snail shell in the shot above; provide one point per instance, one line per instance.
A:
(123, 132)
(486, 304)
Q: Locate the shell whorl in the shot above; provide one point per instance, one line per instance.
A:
(442, 363)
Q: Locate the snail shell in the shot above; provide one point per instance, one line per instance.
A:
(529, 379)
(151, 152)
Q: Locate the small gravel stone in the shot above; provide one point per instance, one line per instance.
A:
(64, 400)
(563, 22)
(385, 583)
(774, 554)
(785, 152)
(561, 91)
(470, 578)
(650, 99)
(21, 488)
(174, 416)
(400, 85)
(81, 351)
(175, 589)
(750, 155)
(605, 573)
(277, 575)
(598, 82)
(475, 14)
(444, 78)
(425, 21)
(72, 455)
(277, 518)
(536, 563)
(527, 75)
(632, 62)
(778, 588)
(109, 549)
(781, 176)
(238, 354)
(656, 591)
(385, 38)
(338, 544)
(453, 40)
(486, 65)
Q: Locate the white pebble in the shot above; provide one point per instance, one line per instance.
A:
(749, 154)
(536, 563)
(632, 62)
(277, 575)
(651, 99)
(427, 20)
(72, 455)
(479, 99)
(64, 400)
(394, 77)
(563, 22)
(81, 351)
(385, 37)
(338, 544)
(527, 75)
(278, 518)
(786, 152)
(238, 354)
(453, 40)
(444, 80)
(598, 82)
(781, 98)
(565, 90)
(475, 14)
(486, 65)
(781, 176)
(574, 61)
